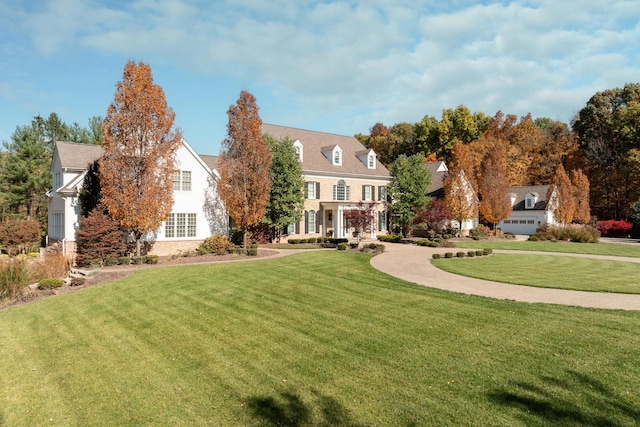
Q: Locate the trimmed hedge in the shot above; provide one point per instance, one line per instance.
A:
(50, 283)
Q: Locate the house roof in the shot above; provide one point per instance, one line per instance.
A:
(520, 193)
(77, 156)
(80, 156)
(438, 172)
(315, 143)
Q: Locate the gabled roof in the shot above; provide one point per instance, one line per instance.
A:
(315, 143)
(211, 161)
(76, 156)
(438, 172)
(520, 194)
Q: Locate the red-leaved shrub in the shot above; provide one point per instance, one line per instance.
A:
(613, 228)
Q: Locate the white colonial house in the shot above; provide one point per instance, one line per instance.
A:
(197, 210)
(339, 172)
(530, 209)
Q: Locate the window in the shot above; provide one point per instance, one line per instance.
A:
(341, 191)
(181, 225)
(507, 221)
(529, 203)
(382, 193)
(371, 161)
(291, 228)
(58, 225)
(299, 149)
(336, 158)
(57, 180)
(182, 181)
(311, 222)
(312, 189)
(530, 221)
(382, 221)
(368, 192)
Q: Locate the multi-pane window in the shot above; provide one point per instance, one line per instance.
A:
(336, 158)
(311, 222)
(182, 181)
(58, 225)
(382, 221)
(180, 225)
(372, 161)
(312, 189)
(341, 191)
(382, 193)
(367, 192)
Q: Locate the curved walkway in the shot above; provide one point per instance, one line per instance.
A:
(413, 264)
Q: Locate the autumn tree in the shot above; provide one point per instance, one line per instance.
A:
(244, 165)
(408, 189)
(565, 193)
(286, 197)
(494, 188)
(361, 218)
(459, 186)
(139, 160)
(580, 182)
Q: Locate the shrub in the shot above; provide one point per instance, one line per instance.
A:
(433, 244)
(391, 238)
(52, 264)
(571, 232)
(460, 254)
(124, 260)
(423, 242)
(471, 254)
(94, 263)
(534, 238)
(77, 281)
(312, 240)
(238, 250)
(14, 278)
(293, 241)
(487, 251)
(342, 246)
(110, 262)
(319, 239)
(50, 283)
(151, 259)
(479, 253)
(479, 232)
(217, 244)
(448, 254)
(252, 250)
(99, 237)
(353, 245)
(137, 260)
(19, 236)
(436, 256)
(614, 228)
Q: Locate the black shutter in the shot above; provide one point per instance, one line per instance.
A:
(373, 192)
(317, 190)
(306, 222)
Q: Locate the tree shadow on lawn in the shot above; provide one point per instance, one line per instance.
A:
(594, 404)
(288, 409)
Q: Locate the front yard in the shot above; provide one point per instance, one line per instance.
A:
(318, 338)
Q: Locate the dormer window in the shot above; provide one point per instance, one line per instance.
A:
(371, 161)
(333, 153)
(367, 157)
(299, 149)
(337, 158)
(530, 200)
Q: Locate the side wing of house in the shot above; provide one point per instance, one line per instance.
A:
(339, 172)
(197, 211)
(530, 210)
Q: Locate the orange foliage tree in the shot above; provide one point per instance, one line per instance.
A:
(566, 204)
(139, 154)
(494, 187)
(580, 182)
(459, 186)
(244, 165)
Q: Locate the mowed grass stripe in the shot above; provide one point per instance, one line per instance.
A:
(315, 339)
(548, 271)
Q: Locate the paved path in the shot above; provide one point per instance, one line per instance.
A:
(412, 263)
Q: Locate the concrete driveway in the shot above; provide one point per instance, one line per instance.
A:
(413, 264)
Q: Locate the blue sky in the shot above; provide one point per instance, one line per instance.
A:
(332, 66)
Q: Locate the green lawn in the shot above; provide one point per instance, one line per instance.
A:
(318, 338)
(549, 271)
(567, 247)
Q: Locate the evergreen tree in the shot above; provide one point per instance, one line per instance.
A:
(286, 197)
(408, 189)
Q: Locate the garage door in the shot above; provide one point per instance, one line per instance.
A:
(519, 226)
